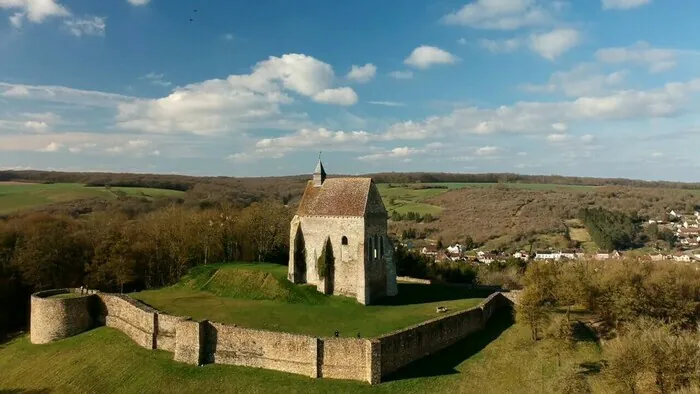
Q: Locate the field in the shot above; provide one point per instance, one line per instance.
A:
(16, 196)
(500, 359)
(259, 296)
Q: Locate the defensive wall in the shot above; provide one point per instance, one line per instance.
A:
(203, 342)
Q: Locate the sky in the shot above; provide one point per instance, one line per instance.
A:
(603, 88)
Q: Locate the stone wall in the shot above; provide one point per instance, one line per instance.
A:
(57, 318)
(280, 351)
(131, 317)
(201, 342)
(402, 347)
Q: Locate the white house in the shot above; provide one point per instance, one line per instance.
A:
(682, 258)
(522, 255)
(673, 213)
(547, 255)
(457, 248)
(569, 254)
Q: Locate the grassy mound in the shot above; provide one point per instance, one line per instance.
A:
(250, 282)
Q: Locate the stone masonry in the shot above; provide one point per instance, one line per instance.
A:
(202, 342)
(349, 214)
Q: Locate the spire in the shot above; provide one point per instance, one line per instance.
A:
(319, 173)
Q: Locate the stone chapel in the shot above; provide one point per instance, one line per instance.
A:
(346, 216)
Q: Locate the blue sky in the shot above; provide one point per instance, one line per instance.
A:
(603, 88)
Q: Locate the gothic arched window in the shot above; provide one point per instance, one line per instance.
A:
(344, 240)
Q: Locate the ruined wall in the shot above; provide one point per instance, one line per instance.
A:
(57, 318)
(345, 358)
(166, 330)
(131, 317)
(405, 346)
(348, 258)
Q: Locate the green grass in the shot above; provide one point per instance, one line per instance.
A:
(260, 296)
(500, 359)
(66, 295)
(15, 197)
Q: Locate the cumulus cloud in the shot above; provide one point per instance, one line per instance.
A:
(138, 2)
(36, 126)
(52, 147)
(501, 14)
(36, 11)
(425, 56)
(239, 101)
(553, 44)
(397, 153)
(587, 139)
(623, 4)
(17, 19)
(314, 138)
(137, 147)
(558, 137)
(582, 80)
(362, 74)
(640, 53)
(406, 74)
(541, 117)
(340, 96)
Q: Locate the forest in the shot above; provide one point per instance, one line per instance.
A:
(612, 230)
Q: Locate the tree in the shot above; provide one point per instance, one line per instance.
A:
(573, 382)
(469, 243)
(439, 244)
(531, 309)
(626, 361)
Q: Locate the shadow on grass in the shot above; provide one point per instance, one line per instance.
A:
(591, 367)
(445, 361)
(6, 339)
(414, 293)
(583, 333)
(25, 391)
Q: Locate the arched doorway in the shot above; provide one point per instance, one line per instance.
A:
(299, 257)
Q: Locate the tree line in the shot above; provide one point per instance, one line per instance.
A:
(113, 252)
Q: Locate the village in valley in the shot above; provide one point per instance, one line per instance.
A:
(686, 247)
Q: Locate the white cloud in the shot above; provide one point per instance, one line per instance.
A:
(362, 74)
(558, 137)
(582, 80)
(521, 154)
(138, 147)
(501, 46)
(92, 26)
(17, 19)
(62, 94)
(587, 139)
(340, 96)
(35, 11)
(424, 57)
(539, 117)
(138, 2)
(314, 138)
(623, 4)
(82, 147)
(487, 151)
(401, 74)
(52, 147)
(240, 101)
(560, 127)
(387, 103)
(396, 153)
(157, 79)
(462, 41)
(500, 14)
(657, 154)
(229, 37)
(36, 126)
(640, 53)
(555, 43)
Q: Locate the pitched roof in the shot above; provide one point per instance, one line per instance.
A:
(336, 197)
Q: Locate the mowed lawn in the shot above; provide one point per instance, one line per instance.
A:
(259, 296)
(18, 196)
(500, 359)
